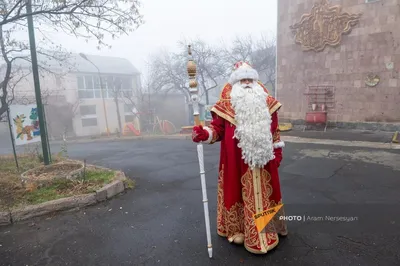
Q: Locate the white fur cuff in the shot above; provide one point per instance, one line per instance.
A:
(210, 135)
(243, 73)
(279, 144)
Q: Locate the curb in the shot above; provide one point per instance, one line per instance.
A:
(360, 144)
(289, 139)
(64, 204)
(105, 139)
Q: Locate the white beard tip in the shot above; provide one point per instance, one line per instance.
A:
(254, 120)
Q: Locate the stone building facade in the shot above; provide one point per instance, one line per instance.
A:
(355, 75)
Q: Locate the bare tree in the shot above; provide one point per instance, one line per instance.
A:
(260, 52)
(168, 70)
(241, 49)
(85, 19)
(139, 102)
(209, 61)
(264, 59)
(168, 73)
(137, 99)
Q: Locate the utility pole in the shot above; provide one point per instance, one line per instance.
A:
(35, 71)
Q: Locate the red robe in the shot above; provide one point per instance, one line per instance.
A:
(243, 192)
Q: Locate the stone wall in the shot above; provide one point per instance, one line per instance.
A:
(371, 47)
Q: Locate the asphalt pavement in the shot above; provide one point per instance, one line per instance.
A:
(161, 221)
(342, 134)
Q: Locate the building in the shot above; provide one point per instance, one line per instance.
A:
(74, 99)
(340, 56)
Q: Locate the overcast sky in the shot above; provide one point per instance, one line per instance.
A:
(167, 21)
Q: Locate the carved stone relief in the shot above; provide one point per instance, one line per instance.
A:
(324, 26)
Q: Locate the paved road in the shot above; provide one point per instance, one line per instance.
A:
(161, 222)
(343, 134)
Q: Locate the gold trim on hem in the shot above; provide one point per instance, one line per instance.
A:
(221, 234)
(258, 252)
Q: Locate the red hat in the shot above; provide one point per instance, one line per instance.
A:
(243, 70)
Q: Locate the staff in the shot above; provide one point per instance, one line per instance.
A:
(191, 69)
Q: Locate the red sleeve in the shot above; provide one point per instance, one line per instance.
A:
(216, 129)
(276, 135)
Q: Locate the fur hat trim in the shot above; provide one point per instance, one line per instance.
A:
(241, 71)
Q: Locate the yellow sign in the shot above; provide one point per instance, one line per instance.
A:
(263, 218)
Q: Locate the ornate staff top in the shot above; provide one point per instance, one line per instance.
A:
(192, 70)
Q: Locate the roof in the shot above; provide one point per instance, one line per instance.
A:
(76, 63)
(106, 64)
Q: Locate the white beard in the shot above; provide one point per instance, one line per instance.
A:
(253, 129)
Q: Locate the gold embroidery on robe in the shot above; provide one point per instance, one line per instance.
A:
(230, 222)
(220, 204)
(224, 108)
(215, 135)
(256, 191)
(276, 136)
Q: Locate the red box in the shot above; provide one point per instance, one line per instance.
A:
(316, 117)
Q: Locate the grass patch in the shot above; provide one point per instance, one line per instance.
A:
(14, 194)
(42, 195)
(99, 176)
(92, 181)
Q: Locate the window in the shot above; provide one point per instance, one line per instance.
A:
(126, 83)
(89, 115)
(81, 85)
(88, 83)
(87, 110)
(85, 87)
(90, 87)
(128, 108)
(117, 83)
(85, 94)
(89, 122)
(129, 111)
(97, 85)
(111, 94)
(129, 118)
(109, 87)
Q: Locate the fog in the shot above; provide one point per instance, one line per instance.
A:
(168, 26)
(166, 22)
